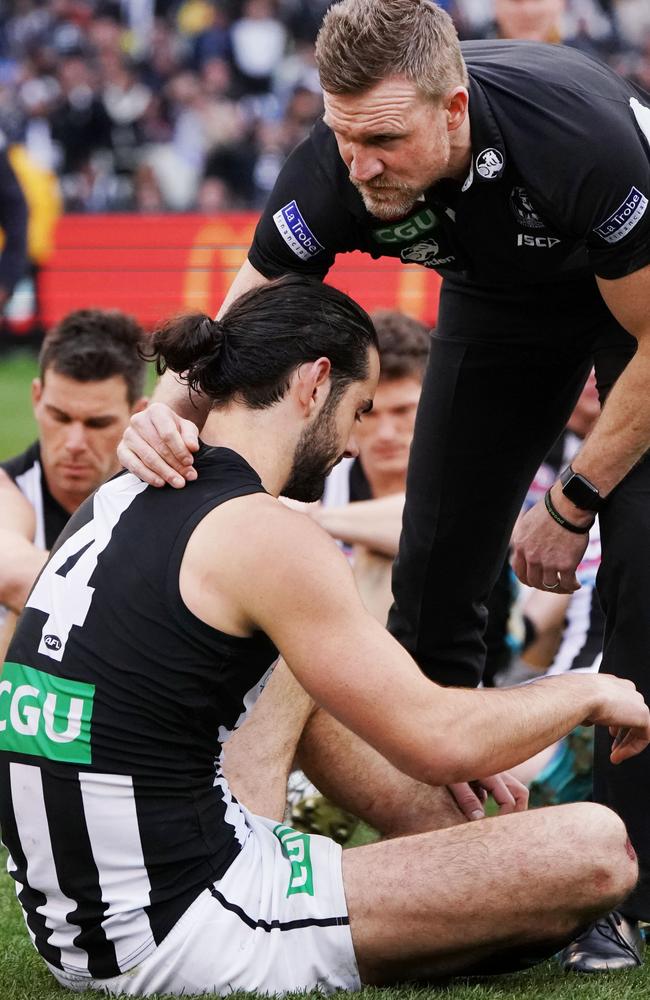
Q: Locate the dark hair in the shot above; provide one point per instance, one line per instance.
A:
(251, 353)
(94, 344)
(403, 344)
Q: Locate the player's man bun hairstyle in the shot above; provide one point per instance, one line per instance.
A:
(188, 344)
(250, 354)
(362, 42)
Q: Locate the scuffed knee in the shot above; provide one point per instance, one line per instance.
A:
(609, 865)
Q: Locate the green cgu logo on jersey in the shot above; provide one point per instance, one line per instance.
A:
(295, 847)
(45, 716)
(408, 229)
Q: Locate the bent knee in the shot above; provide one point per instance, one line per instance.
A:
(608, 859)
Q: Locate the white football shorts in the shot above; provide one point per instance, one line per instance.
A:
(276, 922)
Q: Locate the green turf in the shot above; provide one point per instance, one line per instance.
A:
(23, 976)
(17, 426)
(22, 973)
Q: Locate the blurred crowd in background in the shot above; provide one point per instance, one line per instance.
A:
(183, 105)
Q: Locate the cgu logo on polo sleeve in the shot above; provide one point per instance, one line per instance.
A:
(45, 716)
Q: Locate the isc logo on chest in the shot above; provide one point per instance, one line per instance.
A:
(45, 716)
(524, 240)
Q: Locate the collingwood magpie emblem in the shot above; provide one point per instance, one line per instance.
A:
(523, 210)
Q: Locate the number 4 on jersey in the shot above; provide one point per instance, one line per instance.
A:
(62, 591)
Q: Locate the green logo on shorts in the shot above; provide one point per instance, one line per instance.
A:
(45, 716)
(296, 849)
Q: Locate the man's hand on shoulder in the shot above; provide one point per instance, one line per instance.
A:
(157, 446)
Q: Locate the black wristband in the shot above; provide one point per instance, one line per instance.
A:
(562, 521)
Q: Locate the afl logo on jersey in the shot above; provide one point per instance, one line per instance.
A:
(52, 641)
(490, 164)
(523, 210)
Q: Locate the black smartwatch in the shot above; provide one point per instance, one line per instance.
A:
(580, 491)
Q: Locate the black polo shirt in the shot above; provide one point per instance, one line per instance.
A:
(558, 187)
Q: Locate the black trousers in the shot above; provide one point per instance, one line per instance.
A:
(506, 368)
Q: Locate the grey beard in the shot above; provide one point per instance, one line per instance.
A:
(398, 206)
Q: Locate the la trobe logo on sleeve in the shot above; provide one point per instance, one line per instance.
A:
(295, 232)
(624, 219)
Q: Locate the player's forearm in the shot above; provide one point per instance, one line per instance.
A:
(175, 394)
(20, 565)
(246, 279)
(376, 524)
(476, 733)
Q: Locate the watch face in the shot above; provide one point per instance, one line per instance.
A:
(580, 491)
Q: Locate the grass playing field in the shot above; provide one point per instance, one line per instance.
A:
(24, 977)
(17, 426)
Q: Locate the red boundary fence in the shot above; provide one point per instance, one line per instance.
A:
(155, 266)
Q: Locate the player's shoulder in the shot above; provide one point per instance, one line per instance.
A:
(258, 538)
(18, 465)
(16, 511)
(262, 518)
(218, 464)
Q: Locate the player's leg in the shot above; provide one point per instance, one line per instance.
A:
(488, 896)
(503, 376)
(284, 726)
(259, 755)
(354, 776)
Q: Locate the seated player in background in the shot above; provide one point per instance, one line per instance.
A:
(364, 497)
(90, 383)
(143, 645)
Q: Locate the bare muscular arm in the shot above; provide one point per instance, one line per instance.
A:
(20, 560)
(304, 598)
(375, 524)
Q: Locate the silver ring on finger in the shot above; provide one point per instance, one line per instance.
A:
(551, 586)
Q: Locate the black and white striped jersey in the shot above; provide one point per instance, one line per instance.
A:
(26, 470)
(114, 703)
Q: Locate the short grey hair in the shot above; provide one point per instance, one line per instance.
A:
(362, 42)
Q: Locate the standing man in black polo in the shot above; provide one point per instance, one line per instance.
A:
(521, 172)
